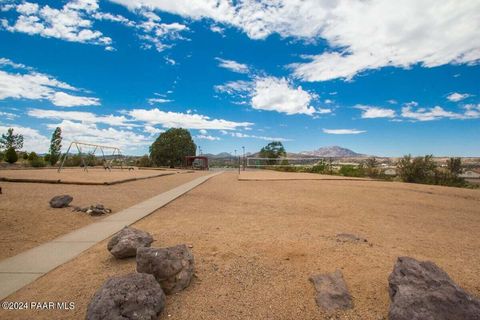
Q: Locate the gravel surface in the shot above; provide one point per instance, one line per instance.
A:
(256, 243)
(27, 220)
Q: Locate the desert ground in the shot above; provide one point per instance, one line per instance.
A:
(257, 242)
(27, 220)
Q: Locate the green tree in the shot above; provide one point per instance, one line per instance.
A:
(11, 140)
(144, 161)
(11, 155)
(171, 148)
(55, 146)
(370, 167)
(454, 165)
(273, 150)
(32, 156)
(417, 170)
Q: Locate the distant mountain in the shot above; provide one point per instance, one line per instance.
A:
(333, 151)
(218, 156)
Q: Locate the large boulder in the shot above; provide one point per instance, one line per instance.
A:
(132, 296)
(420, 290)
(61, 201)
(172, 267)
(332, 292)
(124, 244)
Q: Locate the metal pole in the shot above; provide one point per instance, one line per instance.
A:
(64, 157)
(243, 160)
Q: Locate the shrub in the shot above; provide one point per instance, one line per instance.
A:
(417, 170)
(37, 163)
(351, 171)
(11, 155)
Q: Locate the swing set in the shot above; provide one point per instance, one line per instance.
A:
(115, 154)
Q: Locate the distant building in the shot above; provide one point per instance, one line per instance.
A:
(470, 174)
(390, 172)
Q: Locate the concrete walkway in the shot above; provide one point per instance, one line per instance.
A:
(22, 269)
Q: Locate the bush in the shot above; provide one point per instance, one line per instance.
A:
(37, 163)
(351, 171)
(11, 155)
(417, 170)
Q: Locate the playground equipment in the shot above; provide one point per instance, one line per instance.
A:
(116, 154)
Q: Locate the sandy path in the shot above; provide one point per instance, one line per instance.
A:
(257, 242)
(26, 219)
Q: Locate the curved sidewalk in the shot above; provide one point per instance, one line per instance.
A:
(24, 268)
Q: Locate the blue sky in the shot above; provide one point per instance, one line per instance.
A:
(377, 77)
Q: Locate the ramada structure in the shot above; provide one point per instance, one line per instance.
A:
(196, 162)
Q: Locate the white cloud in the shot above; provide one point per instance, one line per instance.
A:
(63, 99)
(158, 100)
(238, 87)
(170, 119)
(8, 115)
(85, 117)
(277, 94)
(232, 65)
(250, 136)
(456, 97)
(371, 112)
(203, 131)
(362, 35)
(436, 113)
(38, 86)
(152, 130)
(126, 140)
(343, 131)
(70, 23)
(324, 110)
(32, 139)
(206, 137)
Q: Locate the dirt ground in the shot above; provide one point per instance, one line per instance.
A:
(26, 219)
(78, 175)
(257, 242)
(266, 175)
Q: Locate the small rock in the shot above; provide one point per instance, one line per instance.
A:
(332, 291)
(61, 201)
(173, 267)
(421, 290)
(132, 296)
(348, 237)
(125, 243)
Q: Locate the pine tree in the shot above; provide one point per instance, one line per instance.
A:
(55, 146)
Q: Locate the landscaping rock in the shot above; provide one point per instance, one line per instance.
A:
(124, 243)
(94, 210)
(347, 237)
(172, 267)
(61, 201)
(332, 291)
(132, 296)
(421, 290)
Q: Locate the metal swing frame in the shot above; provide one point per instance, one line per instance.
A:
(116, 154)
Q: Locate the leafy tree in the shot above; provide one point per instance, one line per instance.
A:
(417, 170)
(55, 146)
(32, 156)
(11, 155)
(454, 165)
(171, 148)
(24, 155)
(274, 150)
(11, 140)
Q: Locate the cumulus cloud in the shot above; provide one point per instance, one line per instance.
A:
(170, 119)
(456, 97)
(84, 117)
(370, 112)
(232, 65)
(158, 100)
(38, 86)
(252, 136)
(273, 94)
(343, 131)
(70, 23)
